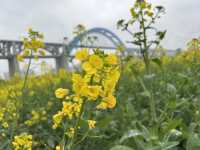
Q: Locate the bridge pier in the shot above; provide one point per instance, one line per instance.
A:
(13, 65)
(61, 62)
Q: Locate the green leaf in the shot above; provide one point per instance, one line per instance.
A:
(84, 124)
(103, 123)
(171, 88)
(4, 144)
(183, 76)
(120, 23)
(130, 134)
(143, 5)
(136, 43)
(169, 145)
(138, 34)
(146, 93)
(121, 147)
(193, 142)
(160, 8)
(157, 61)
(161, 34)
(133, 13)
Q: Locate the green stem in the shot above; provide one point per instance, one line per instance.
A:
(83, 138)
(27, 73)
(71, 144)
(153, 109)
(25, 84)
(145, 50)
(63, 138)
(151, 100)
(147, 64)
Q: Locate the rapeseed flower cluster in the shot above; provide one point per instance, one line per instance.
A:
(95, 84)
(38, 106)
(3, 122)
(188, 57)
(8, 109)
(91, 124)
(33, 44)
(70, 133)
(36, 117)
(22, 142)
(191, 55)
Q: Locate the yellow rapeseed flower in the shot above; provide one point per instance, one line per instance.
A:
(110, 100)
(20, 58)
(5, 125)
(111, 59)
(77, 99)
(70, 133)
(93, 92)
(77, 78)
(57, 118)
(95, 63)
(110, 81)
(114, 75)
(82, 54)
(78, 82)
(58, 147)
(109, 86)
(107, 102)
(22, 141)
(91, 124)
(89, 68)
(61, 93)
(67, 109)
(77, 109)
(102, 105)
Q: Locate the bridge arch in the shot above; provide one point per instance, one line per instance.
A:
(112, 37)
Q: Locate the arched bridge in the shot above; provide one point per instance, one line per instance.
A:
(112, 37)
(9, 49)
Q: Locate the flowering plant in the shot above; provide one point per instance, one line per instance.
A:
(94, 87)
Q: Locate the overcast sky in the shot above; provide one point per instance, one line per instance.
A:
(57, 18)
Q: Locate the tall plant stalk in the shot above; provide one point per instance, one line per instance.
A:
(71, 144)
(27, 73)
(143, 17)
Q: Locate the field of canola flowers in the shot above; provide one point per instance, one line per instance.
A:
(112, 102)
